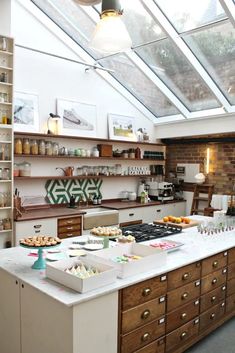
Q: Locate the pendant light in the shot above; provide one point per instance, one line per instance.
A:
(111, 35)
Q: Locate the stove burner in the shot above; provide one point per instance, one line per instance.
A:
(144, 231)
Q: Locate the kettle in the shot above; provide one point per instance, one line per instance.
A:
(68, 171)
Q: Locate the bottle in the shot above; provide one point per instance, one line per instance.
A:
(95, 200)
(137, 153)
(26, 146)
(18, 146)
(34, 147)
(99, 199)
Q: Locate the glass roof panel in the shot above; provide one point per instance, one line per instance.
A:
(71, 19)
(189, 14)
(176, 72)
(128, 74)
(140, 24)
(215, 48)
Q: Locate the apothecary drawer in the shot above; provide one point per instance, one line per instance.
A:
(142, 314)
(213, 298)
(64, 222)
(157, 346)
(211, 316)
(69, 234)
(180, 316)
(230, 303)
(214, 280)
(139, 338)
(215, 262)
(183, 295)
(69, 229)
(231, 255)
(231, 271)
(184, 275)
(231, 287)
(142, 292)
(183, 334)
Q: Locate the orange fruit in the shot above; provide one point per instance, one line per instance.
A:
(165, 219)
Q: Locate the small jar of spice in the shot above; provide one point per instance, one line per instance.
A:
(34, 147)
(18, 146)
(26, 146)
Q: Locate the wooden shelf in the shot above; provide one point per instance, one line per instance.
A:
(5, 83)
(105, 140)
(5, 208)
(61, 177)
(6, 68)
(3, 161)
(5, 126)
(5, 181)
(6, 103)
(6, 52)
(5, 231)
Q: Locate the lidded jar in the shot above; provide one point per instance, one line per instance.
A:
(34, 147)
(49, 150)
(18, 146)
(25, 169)
(26, 146)
(42, 147)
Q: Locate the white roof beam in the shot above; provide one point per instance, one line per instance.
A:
(229, 8)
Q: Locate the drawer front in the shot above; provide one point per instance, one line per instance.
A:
(214, 280)
(131, 214)
(178, 337)
(184, 275)
(63, 222)
(142, 314)
(155, 347)
(231, 287)
(36, 227)
(143, 292)
(210, 317)
(141, 337)
(213, 298)
(183, 295)
(231, 271)
(69, 234)
(180, 316)
(230, 303)
(231, 256)
(69, 229)
(213, 263)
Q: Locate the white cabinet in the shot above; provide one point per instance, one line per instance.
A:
(131, 214)
(176, 209)
(154, 213)
(36, 227)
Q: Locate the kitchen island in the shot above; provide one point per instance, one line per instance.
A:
(38, 315)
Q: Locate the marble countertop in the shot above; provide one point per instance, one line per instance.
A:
(196, 247)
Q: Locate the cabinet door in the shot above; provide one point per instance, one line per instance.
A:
(35, 227)
(152, 213)
(9, 313)
(131, 214)
(175, 209)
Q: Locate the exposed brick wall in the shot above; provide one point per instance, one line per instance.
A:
(222, 162)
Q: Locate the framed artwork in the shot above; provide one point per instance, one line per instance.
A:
(122, 127)
(26, 115)
(78, 119)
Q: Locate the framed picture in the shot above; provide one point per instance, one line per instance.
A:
(122, 127)
(78, 119)
(26, 115)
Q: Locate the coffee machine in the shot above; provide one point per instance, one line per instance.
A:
(153, 190)
(165, 191)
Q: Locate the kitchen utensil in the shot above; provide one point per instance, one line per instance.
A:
(68, 171)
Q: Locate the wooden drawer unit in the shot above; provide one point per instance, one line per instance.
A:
(213, 263)
(69, 227)
(210, 317)
(180, 316)
(212, 298)
(154, 347)
(183, 334)
(142, 292)
(143, 314)
(184, 275)
(183, 295)
(231, 287)
(214, 280)
(66, 222)
(231, 271)
(139, 338)
(230, 303)
(231, 256)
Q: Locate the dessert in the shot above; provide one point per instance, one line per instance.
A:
(81, 271)
(126, 258)
(106, 231)
(126, 239)
(40, 241)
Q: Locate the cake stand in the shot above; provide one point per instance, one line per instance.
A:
(40, 263)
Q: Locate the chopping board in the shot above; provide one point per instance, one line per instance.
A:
(192, 223)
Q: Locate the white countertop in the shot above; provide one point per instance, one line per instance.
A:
(196, 247)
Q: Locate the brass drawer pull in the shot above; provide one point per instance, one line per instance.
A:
(213, 298)
(185, 276)
(183, 335)
(145, 314)
(146, 292)
(214, 281)
(69, 228)
(184, 296)
(70, 234)
(183, 316)
(215, 264)
(69, 222)
(212, 316)
(145, 337)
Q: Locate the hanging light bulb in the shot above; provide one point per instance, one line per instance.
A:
(111, 35)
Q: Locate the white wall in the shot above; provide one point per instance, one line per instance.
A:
(5, 17)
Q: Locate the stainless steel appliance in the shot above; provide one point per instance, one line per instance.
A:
(165, 191)
(153, 190)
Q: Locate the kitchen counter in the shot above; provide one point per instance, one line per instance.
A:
(122, 205)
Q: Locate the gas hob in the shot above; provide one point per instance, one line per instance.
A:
(145, 231)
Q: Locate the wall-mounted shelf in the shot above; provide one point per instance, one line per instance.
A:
(6, 231)
(6, 68)
(5, 181)
(50, 177)
(5, 84)
(6, 52)
(5, 103)
(4, 161)
(5, 208)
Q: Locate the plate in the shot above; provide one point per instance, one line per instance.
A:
(75, 246)
(166, 245)
(55, 256)
(93, 246)
(75, 253)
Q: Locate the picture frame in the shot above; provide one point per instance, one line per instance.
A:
(77, 118)
(26, 112)
(122, 127)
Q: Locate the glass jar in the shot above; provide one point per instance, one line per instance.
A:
(1, 225)
(6, 174)
(16, 172)
(84, 170)
(2, 199)
(6, 223)
(55, 149)
(42, 147)
(125, 154)
(18, 146)
(34, 147)
(25, 169)
(0, 173)
(48, 148)
(79, 171)
(26, 146)
(95, 152)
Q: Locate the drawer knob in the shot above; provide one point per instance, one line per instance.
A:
(69, 222)
(212, 316)
(69, 234)
(146, 292)
(215, 264)
(185, 276)
(213, 298)
(214, 281)
(184, 296)
(145, 337)
(145, 314)
(69, 228)
(183, 335)
(183, 316)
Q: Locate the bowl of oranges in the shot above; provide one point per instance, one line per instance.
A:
(177, 220)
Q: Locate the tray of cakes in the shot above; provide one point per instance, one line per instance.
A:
(111, 232)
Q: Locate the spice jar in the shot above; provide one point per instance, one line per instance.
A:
(34, 147)
(42, 147)
(125, 154)
(1, 225)
(18, 146)
(48, 148)
(6, 223)
(25, 169)
(55, 149)
(131, 153)
(6, 175)
(26, 146)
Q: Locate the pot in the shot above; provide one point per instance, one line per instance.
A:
(68, 171)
